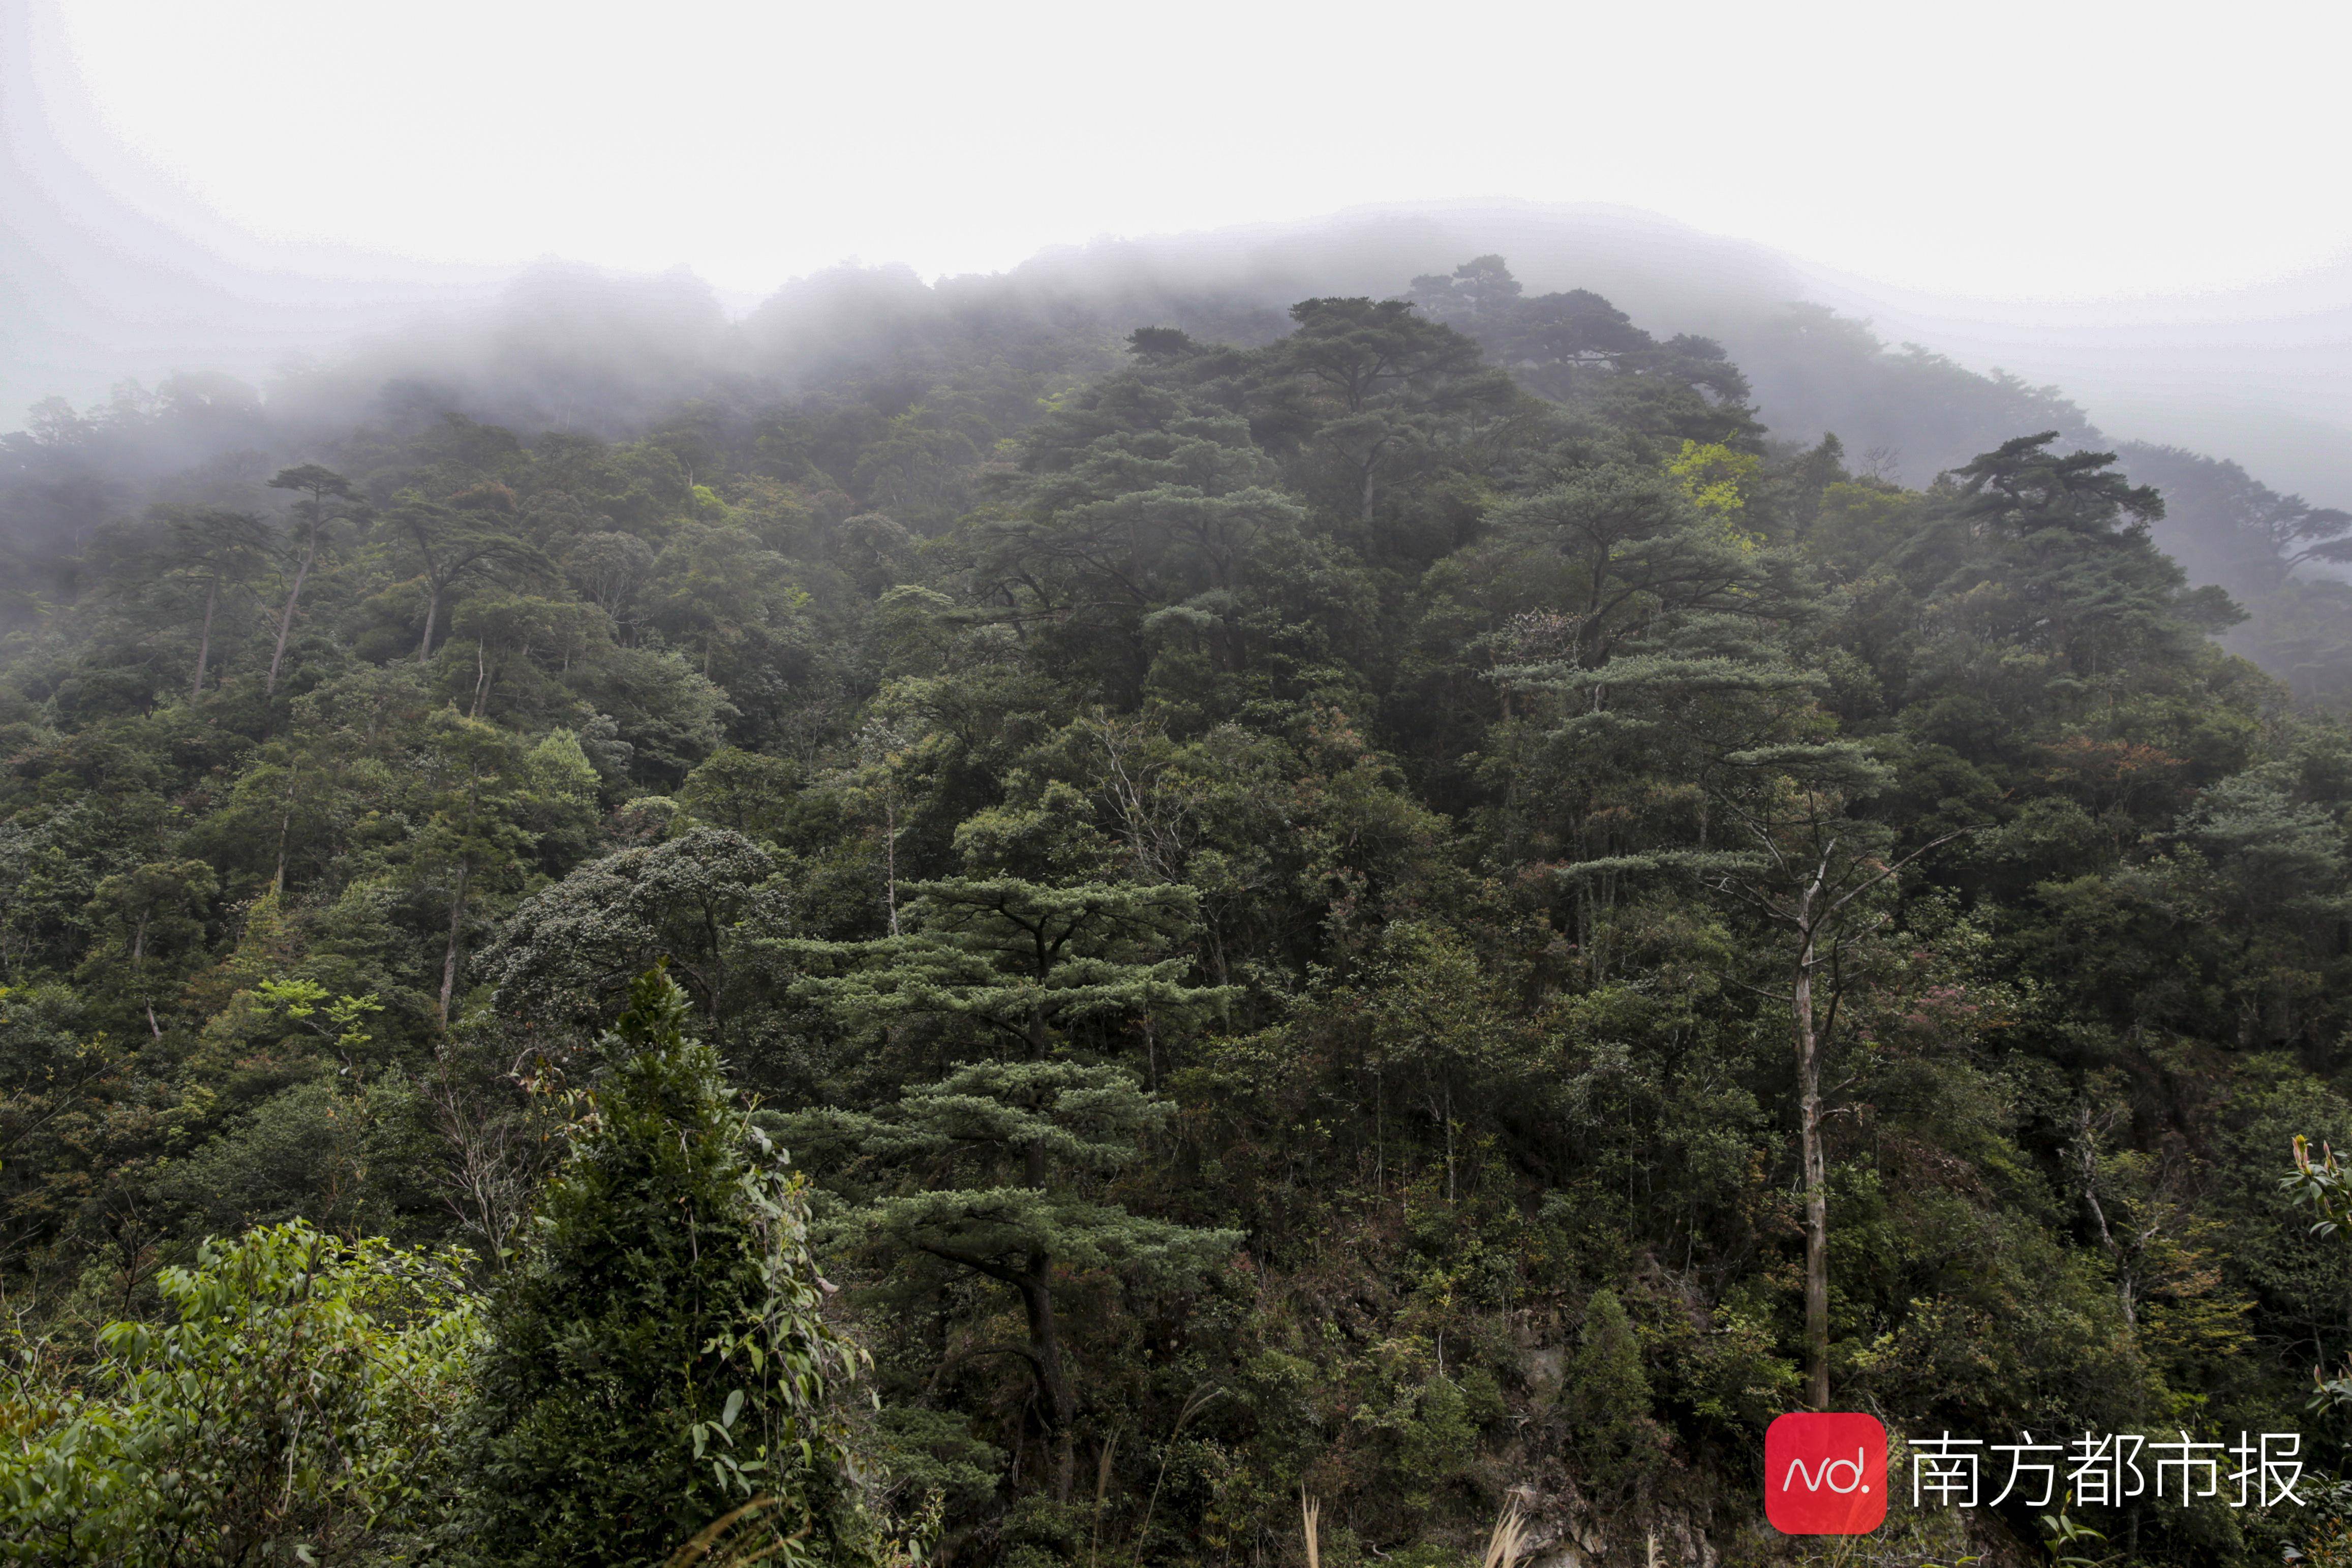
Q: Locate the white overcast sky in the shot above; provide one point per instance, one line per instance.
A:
(2046, 149)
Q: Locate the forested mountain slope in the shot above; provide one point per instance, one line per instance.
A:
(1395, 900)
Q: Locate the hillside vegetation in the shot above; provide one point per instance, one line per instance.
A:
(1026, 947)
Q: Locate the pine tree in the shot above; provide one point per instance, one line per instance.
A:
(1025, 961)
(1014, 1145)
(203, 556)
(1006, 1145)
(2048, 553)
(327, 498)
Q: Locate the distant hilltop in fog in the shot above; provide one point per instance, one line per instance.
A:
(93, 291)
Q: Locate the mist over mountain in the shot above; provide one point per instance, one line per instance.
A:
(796, 868)
(1428, 861)
(2231, 404)
(97, 291)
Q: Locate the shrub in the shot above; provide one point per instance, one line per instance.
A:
(293, 1413)
(658, 1363)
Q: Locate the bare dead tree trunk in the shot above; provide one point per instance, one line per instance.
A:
(1816, 917)
(137, 954)
(204, 642)
(487, 1183)
(2087, 1157)
(285, 827)
(1817, 1198)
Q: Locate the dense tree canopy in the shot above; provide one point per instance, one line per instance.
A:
(1411, 907)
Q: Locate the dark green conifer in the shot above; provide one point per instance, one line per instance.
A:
(659, 1361)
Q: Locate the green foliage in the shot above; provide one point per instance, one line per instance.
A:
(1030, 1124)
(1605, 1402)
(658, 1359)
(1022, 960)
(2323, 1184)
(699, 901)
(1005, 1157)
(1399, 900)
(295, 1407)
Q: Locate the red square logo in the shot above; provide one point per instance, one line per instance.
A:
(1825, 1474)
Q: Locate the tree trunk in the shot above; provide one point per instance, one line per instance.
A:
(890, 859)
(449, 959)
(1036, 1286)
(286, 617)
(1817, 1200)
(1061, 1406)
(432, 613)
(205, 642)
(2089, 1157)
(138, 951)
(285, 827)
